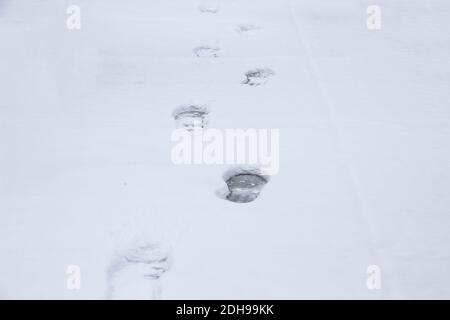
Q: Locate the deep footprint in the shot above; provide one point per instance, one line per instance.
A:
(244, 185)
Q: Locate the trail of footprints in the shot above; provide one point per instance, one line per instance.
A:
(244, 185)
(137, 272)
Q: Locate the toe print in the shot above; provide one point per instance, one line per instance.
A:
(258, 76)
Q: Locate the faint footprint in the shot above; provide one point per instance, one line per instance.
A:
(244, 185)
(135, 274)
(207, 52)
(209, 6)
(247, 29)
(191, 116)
(258, 76)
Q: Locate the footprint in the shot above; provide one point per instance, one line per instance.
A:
(190, 116)
(244, 185)
(135, 273)
(258, 76)
(207, 52)
(248, 29)
(209, 6)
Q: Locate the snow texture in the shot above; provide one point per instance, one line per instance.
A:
(85, 170)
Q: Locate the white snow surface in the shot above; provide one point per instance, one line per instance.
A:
(364, 120)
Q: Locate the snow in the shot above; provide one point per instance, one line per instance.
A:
(364, 120)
